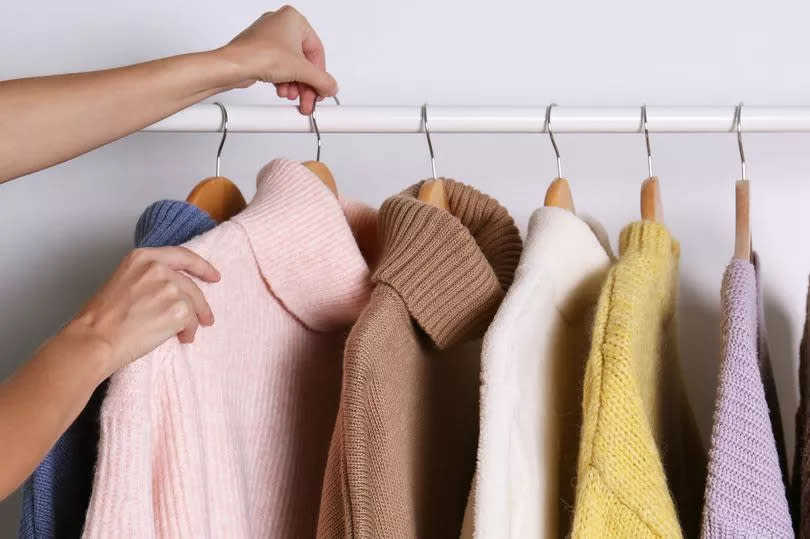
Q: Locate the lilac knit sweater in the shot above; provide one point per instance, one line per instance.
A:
(745, 488)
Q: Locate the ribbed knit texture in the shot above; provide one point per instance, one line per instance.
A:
(800, 486)
(55, 497)
(403, 451)
(636, 421)
(745, 489)
(228, 436)
(533, 362)
(171, 222)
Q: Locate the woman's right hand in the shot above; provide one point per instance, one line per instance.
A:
(148, 300)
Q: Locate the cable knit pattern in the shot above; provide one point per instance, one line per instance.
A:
(403, 452)
(533, 362)
(55, 497)
(636, 421)
(228, 436)
(745, 492)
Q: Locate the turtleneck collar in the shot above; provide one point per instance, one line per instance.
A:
(453, 268)
(303, 239)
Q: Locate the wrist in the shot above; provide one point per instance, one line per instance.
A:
(97, 353)
(238, 63)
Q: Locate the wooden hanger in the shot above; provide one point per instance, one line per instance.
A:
(742, 201)
(742, 225)
(218, 196)
(651, 209)
(432, 191)
(317, 167)
(323, 173)
(558, 194)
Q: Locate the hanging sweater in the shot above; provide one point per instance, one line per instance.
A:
(636, 420)
(228, 436)
(800, 485)
(55, 497)
(532, 365)
(403, 451)
(745, 489)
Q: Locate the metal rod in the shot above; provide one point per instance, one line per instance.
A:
(352, 119)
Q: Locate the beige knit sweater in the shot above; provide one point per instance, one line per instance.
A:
(402, 454)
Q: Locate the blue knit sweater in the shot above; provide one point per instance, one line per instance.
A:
(56, 496)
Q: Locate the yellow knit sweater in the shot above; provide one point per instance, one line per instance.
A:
(636, 421)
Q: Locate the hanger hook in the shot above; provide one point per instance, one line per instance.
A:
(738, 126)
(553, 141)
(430, 144)
(314, 125)
(647, 139)
(224, 132)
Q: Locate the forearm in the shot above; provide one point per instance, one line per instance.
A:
(40, 401)
(52, 119)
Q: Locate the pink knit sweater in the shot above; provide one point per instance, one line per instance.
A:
(228, 436)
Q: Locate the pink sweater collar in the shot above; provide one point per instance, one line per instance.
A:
(304, 243)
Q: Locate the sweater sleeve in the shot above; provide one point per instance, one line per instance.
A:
(121, 501)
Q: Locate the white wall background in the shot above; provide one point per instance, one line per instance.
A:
(63, 230)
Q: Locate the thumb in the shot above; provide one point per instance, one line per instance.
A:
(304, 71)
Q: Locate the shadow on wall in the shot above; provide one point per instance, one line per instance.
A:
(783, 347)
(56, 293)
(699, 342)
(10, 515)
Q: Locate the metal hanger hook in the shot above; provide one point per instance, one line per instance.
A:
(647, 139)
(430, 144)
(553, 141)
(314, 124)
(224, 132)
(738, 127)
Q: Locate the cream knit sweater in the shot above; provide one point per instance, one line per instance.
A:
(228, 436)
(532, 365)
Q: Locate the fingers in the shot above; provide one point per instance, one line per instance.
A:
(185, 306)
(184, 314)
(307, 103)
(194, 295)
(303, 71)
(282, 88)
(183, 259)
(313, 48)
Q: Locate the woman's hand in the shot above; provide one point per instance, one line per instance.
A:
(101, 106)
(281, 47)
(147, 300)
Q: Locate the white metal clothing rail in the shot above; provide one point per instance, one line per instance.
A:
(407, 119)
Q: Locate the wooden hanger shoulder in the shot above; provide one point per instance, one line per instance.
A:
(558, 195)
(651, 209)
(219, 197)
(433, 193)
(742, 226)
(322, 172)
